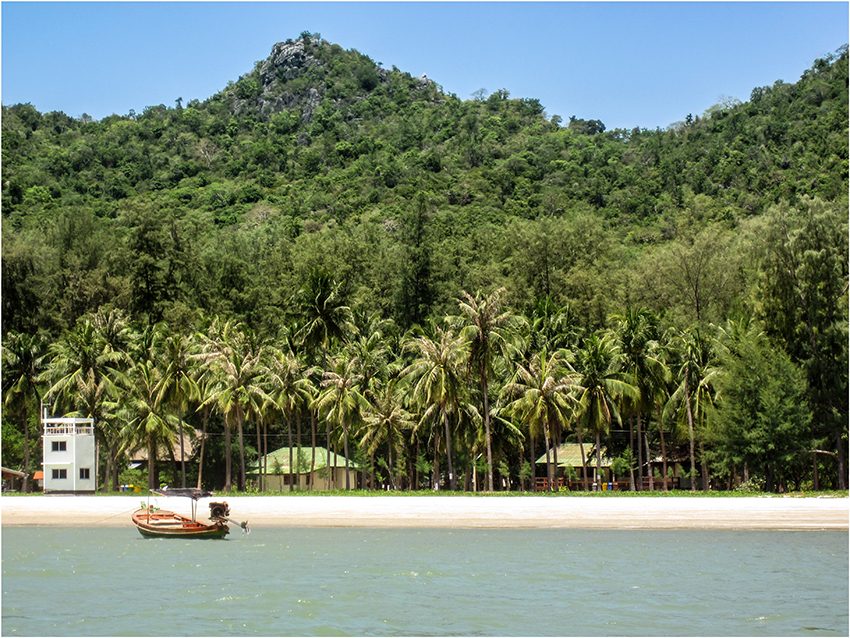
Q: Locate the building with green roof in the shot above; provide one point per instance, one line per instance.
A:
(306, 473)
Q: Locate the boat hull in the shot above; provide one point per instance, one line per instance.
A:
(164, 524)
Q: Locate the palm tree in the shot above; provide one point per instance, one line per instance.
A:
(694, 393)
(178, 385)
(658, 393)
(484, 326)
(113, 327)
(24, 362)
(289, 388)
(369, 349)
(384, 421)
(542, 399)
(600, 386)
(552, 326)
(327, 318)
(238, 391)
(437, 386)
(204, 384)
(84, 369)
(636, 333)
(147, 422)
(341, 402)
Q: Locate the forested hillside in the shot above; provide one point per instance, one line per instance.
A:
(321, 195)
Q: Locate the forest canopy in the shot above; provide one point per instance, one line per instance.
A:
(321, 181)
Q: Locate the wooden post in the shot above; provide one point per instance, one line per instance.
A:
(815, 472)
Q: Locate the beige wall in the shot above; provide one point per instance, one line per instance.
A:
(279, 482)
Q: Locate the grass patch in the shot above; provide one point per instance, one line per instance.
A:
(448, 494)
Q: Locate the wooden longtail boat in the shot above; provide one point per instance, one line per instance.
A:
(153, 522)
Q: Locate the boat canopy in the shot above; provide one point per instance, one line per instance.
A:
(191, 492)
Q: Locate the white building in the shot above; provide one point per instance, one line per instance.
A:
(69, 456)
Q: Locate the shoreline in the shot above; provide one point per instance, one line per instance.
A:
(740, 513)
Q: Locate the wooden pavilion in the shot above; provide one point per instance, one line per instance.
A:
(570, 470)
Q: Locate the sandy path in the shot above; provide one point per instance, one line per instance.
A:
(456, 512)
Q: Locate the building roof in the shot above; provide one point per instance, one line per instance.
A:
(279, 460)
(38, 476)
(8, 472)
(190, 436)
(569, 455)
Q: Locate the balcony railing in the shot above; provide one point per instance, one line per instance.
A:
(65, 429)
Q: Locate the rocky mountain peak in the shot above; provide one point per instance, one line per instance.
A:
(288, 60)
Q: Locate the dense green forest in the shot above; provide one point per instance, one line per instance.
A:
(328, 250)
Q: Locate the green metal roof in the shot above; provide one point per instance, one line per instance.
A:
(569, 455)
(280, 458)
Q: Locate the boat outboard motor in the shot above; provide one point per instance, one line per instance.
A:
(221, 512)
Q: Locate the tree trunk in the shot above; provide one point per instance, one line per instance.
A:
(265, 452)
(583, 457)
(663, 449)
(203, 442)
(416, 467)
(113, 451)
(182, 455)
(175, 472)
(815, 472)
(632, 449)
(25, 424)
(289, 430)
(239, 425)
(690, 433)
(598, 461)
(435, 473)
(390, 455)
(555, 439)
(452, 480)
(640, 453)
(704, 467)
(313, 443)
(298, 463)
(345, 448)
(328, 443)
(152, 477)
(768, 483)
(487, 427)
(110, 467)
(548, 451)
(842, 483)
(107, 473)
(259, 452)
(228, 460)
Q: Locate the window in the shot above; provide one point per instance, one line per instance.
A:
(84, 473)
(58, 446)
(60, 474)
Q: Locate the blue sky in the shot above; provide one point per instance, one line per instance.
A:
(629, 64)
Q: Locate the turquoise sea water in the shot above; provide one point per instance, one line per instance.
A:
(380, 582)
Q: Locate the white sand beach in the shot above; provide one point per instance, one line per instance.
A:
(745, 513)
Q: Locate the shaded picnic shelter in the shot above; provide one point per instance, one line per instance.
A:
(12, 479)
(167, 454)
(569, 457)
(277, 470)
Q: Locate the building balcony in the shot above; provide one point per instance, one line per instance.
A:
(67, 429)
